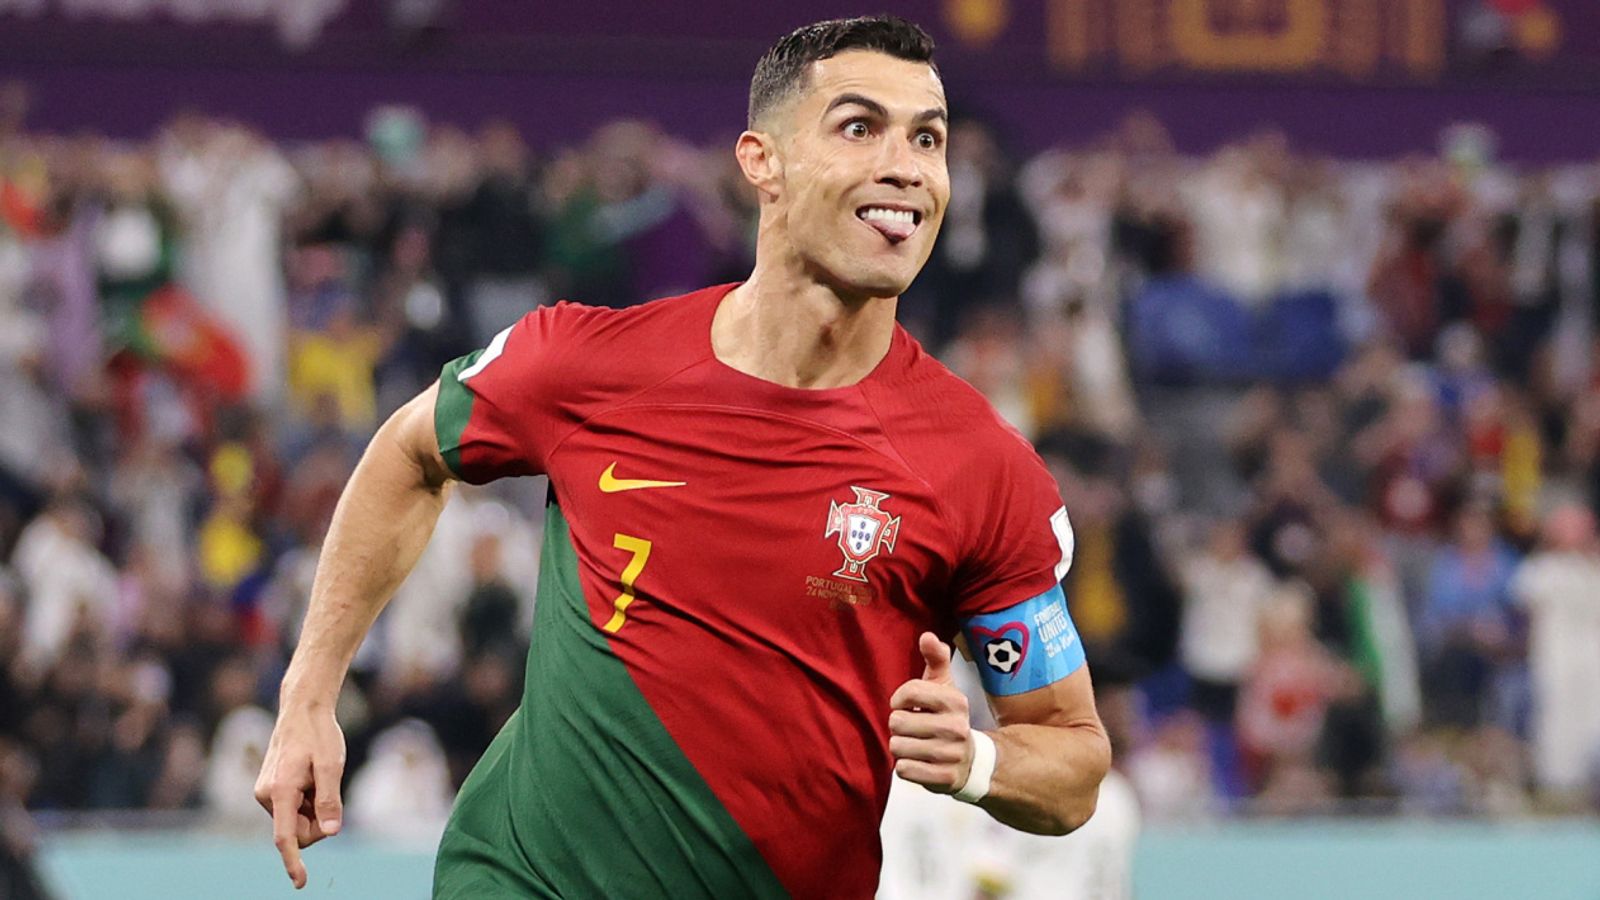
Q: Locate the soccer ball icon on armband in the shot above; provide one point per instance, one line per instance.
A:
(1003, 654)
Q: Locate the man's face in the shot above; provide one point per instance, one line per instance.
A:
(864, 183)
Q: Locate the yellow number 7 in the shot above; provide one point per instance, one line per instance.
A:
(640, 548)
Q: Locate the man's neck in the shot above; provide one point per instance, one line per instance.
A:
(792, 330)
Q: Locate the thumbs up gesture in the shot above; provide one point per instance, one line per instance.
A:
(930, 728)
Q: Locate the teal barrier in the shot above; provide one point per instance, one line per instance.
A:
(1366, 860)
(180, 865)
(1370, 860)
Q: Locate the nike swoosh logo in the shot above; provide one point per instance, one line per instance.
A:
(611, 484)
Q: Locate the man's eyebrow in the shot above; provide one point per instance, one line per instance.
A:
(879, 110)
(867, 103)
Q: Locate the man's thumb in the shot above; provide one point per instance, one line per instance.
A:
(328, 807)
(936, 655)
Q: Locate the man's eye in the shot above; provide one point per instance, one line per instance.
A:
(857, 129)
(927, 140)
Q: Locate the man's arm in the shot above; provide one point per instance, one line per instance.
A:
(1051, 752)
(384, 519)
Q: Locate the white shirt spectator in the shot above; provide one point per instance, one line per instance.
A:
(418, 630)
(1561, 591)
(236, 755)
(1222, 602)
(1239, 218)
(233, 190)
(404, 790)
(36, 433)
(66, 577)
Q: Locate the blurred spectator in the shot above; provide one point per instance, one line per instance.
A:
(1124, 601)
(988, 354)
(1240, 213)
(1559, 586)
(1378, 640)
(479, 543)
(1415, 466)
(333, 352)
(1226, 588)
(18, 840)
(490, 614)
(1078, 377)
(155, 491)
(70, 585)
(1173, 774)
(1413, 282)
(234, 762)
(1583, 432)
(1285, 699)
(1466, 630)
(38, 438)
(233, 188)
(635, 203)
(1290, 519)
(987, 239)
(504, 218)
(404, 789)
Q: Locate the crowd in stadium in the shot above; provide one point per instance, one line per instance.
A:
(1329, 434)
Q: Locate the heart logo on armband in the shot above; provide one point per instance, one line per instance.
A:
(1004, 647)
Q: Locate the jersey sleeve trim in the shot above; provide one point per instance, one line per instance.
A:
(452, 409)
(487, 355)
(1061, 527)
(1024, 647)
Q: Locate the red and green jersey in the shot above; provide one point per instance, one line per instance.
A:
(733, 580)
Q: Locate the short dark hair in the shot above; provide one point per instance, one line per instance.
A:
(784, 68)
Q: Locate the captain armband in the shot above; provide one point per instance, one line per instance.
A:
(1025, 647)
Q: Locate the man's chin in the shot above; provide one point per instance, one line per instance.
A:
(874, 284)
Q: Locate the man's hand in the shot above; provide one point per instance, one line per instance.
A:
(930, 728)
(299, 784)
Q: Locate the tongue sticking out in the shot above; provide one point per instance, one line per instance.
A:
(896, 230)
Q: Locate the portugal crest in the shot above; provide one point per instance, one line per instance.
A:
(863, 529)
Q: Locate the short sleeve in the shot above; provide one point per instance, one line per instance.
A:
(1018, 536)
(1009, 601)
(498, 413)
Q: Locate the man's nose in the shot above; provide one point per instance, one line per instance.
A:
(898, 165)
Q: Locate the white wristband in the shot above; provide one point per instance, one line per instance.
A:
(983, 760)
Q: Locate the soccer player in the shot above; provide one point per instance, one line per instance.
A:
(767, 507)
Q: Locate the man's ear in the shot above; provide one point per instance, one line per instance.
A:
(757, 152)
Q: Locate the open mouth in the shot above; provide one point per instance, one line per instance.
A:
(895, 223)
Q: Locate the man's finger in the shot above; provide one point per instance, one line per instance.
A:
(935, 726)
(306, 829)
(928, 696)
(285, 834)
(306, 826)
(949, 753)
(329, 808)
(936, 657)
(937, 778)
